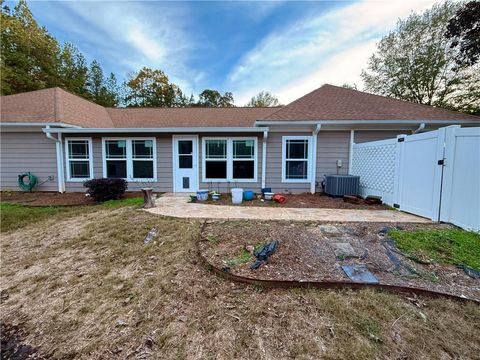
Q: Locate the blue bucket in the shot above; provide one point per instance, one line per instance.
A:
(266, 190)
(202, 195)
(248, 195)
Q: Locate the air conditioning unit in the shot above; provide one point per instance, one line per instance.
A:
(340, 185)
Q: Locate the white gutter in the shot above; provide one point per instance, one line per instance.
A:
(157, 130)
(264, 157)
(59, 153)
(350, 150)
(48, 124)
(420, 128)
(361, 122)
(314, 158)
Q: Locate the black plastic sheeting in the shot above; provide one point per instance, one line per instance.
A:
(263, 253)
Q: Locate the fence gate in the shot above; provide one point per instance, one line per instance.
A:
(419, 175)
(435, 174)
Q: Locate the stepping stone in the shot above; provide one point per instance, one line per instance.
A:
(344, 250)
(359, 273)
(329, 230)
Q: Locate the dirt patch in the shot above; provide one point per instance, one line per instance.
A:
(317, 252)
(301, 201)
(44, 198)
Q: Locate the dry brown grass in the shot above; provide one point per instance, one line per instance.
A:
(87, 287)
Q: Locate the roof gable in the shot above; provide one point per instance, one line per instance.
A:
(337, 103)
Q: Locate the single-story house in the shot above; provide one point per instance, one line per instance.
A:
(64, 140)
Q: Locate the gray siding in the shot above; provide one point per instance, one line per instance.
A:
(332, 146)
(362, 136)
(164, 163)
(222, 187)
(32, 151)
(27, 151)
(274, 165)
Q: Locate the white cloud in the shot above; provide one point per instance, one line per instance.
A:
(135, 34)
(332, 47)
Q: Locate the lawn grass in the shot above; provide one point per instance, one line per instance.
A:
(243, 257)
(86, 287)
(445, 246)
(15, 216)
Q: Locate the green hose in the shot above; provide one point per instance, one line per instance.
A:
(32, 181)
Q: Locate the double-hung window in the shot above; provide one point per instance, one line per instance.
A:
(229, 159)
(296, 157)
(79, 159)
(216, 159)
(243, 162)
(130, 158)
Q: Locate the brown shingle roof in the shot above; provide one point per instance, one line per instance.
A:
(326, 103)
(188, 117)
(337, 103)
(53, 105)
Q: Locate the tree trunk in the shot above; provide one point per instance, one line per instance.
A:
(148, 198)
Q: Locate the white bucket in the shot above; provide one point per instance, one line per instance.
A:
(268, 195)
(237, 195)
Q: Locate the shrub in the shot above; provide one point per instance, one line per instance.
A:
(106, 188)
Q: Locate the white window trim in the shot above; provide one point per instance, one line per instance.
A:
(309, 159)
(90, 158)
(230, 159)
(130, 158)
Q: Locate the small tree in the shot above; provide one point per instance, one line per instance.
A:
(152, 88)
(263, 99)
(213, 98)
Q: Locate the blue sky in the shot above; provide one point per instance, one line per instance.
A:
(287, 48)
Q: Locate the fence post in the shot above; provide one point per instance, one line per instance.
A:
(447, 175)
(397, 189)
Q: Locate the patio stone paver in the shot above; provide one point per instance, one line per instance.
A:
(178, 206)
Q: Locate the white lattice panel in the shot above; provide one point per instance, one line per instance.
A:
(374, 162)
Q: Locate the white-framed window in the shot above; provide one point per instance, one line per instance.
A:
(133, 159)
(79, 159)
(229, 159)
(296, 158)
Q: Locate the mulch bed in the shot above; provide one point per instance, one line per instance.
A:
(44, 198)
(306, 253)
(302, 201)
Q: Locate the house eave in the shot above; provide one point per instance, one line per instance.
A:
(178, 130)
(364, 122)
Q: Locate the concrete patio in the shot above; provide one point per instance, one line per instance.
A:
(178, 206)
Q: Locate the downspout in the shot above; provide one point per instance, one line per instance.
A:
(420, 128)
(314, 158)
(264, 157)
(350, 151)
(59, 153)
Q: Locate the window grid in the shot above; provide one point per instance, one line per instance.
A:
(131, 157)
(79, 159)
(295, 165)
(229, 157)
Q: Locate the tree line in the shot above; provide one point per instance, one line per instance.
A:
(32, 59)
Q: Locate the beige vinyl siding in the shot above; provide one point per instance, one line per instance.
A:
(220, 186)
(27, 151)
(274, 165)
(164, 181)
(362, 136)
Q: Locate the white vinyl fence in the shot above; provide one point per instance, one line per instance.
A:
(435, 174)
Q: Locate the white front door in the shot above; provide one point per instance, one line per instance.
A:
(185, 164)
